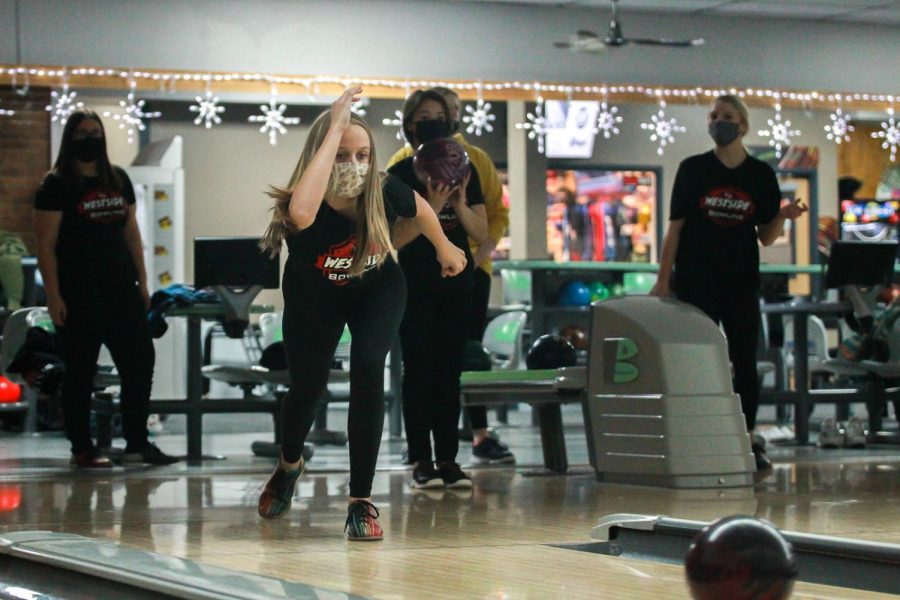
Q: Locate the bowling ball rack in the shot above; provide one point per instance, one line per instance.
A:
(822, 559)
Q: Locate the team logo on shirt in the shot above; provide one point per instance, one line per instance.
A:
(99, 206)
(448, 218)
(336, 262)
(727, 206)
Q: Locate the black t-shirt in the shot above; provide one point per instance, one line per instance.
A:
(90, 247)
(418, 258)
(323, 252)
(721, 208)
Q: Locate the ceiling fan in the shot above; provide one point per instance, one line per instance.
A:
(588, 41)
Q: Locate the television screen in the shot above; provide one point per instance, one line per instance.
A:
(235, 262)
(570, 128)
(869, 220)
(601, 215)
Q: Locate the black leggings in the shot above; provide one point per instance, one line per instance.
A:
(433, 334)
(738, 313)
(313, 324)
(481, 295)
(118, 320)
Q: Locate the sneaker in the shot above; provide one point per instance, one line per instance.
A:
(453, 476)
(150, 455)
(831, 436)
(90, 459)
(492, 452)
(759, 456)
(424, 476)
(276, 497)
(362, 522)
(854, 434)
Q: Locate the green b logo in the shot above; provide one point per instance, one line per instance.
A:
(616, 365)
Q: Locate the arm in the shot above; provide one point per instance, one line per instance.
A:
(472, 218)
(670, 248)
(46, 230)
(496, 212)
(136, 249)
(307, 195)
(769, 232)
(452, 259)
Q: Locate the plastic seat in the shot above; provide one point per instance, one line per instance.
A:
(503, 339)
(516, 288)
(820, 363)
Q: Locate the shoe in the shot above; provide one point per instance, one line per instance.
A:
(90, 459)
(490, 451)
(362, 522)
(453, 475)
(424, 476)
(759, 456)
(150, 455)
(854, 434)
(275, 499)
(831, 435)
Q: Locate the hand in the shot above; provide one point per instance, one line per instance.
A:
(145, 295)
(483, 253)
(452, 259)
(792, 210)
(438, 195)
(459, 198)
(57, 308)
(661, 289)
(340, 108)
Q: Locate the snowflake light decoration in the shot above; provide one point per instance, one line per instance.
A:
(536, 125)
(840, 128)
(890, 132)
(207, 109)
(663, 129)
(397, 122)
(6, 113)
(779, 131)
(63, 104)
(607, 121)
(132, 118)
(479, 117)
(359, 108)
(273, 120)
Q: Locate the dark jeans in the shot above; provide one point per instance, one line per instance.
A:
(117, 319)
(312, 326)
(738, 313)
(433, 334)
(481, 295)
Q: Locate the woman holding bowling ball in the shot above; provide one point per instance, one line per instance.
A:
(336, 216)
(434, 327)
(724, 203)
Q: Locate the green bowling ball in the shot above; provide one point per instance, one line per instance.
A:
(616, 290)
(599, 291)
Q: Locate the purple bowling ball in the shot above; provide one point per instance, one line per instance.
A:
(443, 160)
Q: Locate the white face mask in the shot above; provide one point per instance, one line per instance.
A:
(351, 179)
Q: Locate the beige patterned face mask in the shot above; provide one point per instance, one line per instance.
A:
(351, 179)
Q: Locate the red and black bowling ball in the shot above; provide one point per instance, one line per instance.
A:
(443, 160)
(576, 335)
(740, 558)
(550, 352)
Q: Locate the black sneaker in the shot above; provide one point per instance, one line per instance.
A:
(90, 459)
(490, 451)
(453, 476)
(150, 455)
(424, 476)
(762, 461)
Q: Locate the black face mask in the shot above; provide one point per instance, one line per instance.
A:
(454, 127)
(88, 149)
(723, 132)
(431, 130)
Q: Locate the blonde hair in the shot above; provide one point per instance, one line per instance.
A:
(373, 234)
(737, 104)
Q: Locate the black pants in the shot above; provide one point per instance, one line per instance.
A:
(117, 319)
(432, 335)
(312, 326)
(481, 295)
(738, 313)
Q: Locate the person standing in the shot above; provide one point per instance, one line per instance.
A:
(724, 203)
(337, 215)
(92, 261)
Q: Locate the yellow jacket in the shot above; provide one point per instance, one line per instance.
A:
(491, 189)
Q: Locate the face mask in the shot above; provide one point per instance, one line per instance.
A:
(351, 179)
(454, 127)
(723, 132)
(431, 130)
(88, 149)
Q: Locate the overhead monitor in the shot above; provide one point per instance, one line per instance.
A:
(570, 128)
(860, 263)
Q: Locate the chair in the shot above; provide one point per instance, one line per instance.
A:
(15, 331)
(516, 288)
(503, 339)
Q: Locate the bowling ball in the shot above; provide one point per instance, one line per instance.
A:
(476, 357)
(574, 293)
(598, 291)
(616, 290)
(9, 391)
(550, 352)
(443, 160)
(576, 335)
(740, 558)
